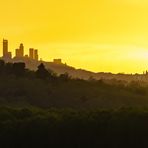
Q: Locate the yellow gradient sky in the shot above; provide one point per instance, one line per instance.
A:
(98, 35)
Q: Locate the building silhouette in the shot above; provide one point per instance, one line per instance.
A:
(31, 50)
(57, 61)
(26, 56)
(5, 47)
(19, 54)
(35, 56)
(20, 51)
(9, 55)
(6, 54)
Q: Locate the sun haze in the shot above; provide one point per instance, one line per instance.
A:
(98, 35)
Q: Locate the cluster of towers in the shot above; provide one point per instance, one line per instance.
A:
(19, 52)
(33, 54)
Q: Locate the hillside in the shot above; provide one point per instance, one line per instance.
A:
(81, 73)
(41, 88)
(40, 109)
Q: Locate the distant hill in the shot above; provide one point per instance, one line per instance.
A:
(80, 73)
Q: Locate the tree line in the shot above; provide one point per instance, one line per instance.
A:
(19, 70)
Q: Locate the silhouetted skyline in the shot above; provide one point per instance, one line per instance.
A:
(19, 53)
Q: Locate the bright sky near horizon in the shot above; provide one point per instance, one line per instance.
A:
(97, 35)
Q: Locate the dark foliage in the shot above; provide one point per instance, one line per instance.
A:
(18, 69)
(21, 128)
(94, 118)
(42, 72)
(43, 88)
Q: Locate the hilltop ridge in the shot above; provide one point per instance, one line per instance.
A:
(79, 73)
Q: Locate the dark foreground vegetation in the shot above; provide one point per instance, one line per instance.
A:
(43, 109)
(36, 128)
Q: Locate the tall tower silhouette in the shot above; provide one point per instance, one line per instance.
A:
(36, 54)
(5, 48)
(31, 53)
(21, 50)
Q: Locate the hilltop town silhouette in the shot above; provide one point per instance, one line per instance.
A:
(32, 61)
(19, 54)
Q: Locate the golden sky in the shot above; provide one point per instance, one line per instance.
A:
(98, 35)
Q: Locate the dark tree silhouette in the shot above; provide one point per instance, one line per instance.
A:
(42, 72)
(64, 77)
(8, 69)
(19, 69)
(2, 64)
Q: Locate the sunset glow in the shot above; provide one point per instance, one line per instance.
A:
(97, 35)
